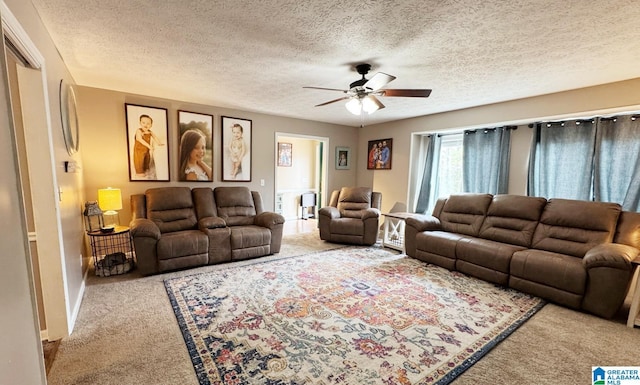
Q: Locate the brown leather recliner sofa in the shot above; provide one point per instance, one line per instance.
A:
(351, 217)
(573, 253)
(178, 227)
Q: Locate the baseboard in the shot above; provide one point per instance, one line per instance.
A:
(76, 308)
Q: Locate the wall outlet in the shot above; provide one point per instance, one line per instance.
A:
(261, 182)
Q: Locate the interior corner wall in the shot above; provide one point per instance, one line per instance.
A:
(618, 97)
(101, 114)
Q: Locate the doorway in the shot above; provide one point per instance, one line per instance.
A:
(305, 173)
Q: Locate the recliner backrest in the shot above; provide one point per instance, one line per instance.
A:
(512, 219)
(573, 227)
(352, 200)
(171, 208)
(235, 205)
(628, 229)
(464, 214)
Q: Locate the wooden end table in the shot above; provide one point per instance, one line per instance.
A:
(394, 230)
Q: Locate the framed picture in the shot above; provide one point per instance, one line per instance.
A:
(236, 149)
(147, 133)
(195, 149)
(284, 154)
(343, 158)
(379, 154)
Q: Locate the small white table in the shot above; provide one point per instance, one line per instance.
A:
(394, 230)
(632, 319)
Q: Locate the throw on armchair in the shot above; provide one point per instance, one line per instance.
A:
(351, 217)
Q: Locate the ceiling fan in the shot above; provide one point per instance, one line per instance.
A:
(362, 93)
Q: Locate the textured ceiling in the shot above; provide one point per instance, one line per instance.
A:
(257, 55)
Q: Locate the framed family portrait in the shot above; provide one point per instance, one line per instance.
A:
(285, 153)
(343, 158)
(236, 149)
(195, 148)
(379, 155)
(148, 150)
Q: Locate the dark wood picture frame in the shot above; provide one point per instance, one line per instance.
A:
(236, 149)
(150, 161)
(195, 163)
(285, 154)
(379, 154)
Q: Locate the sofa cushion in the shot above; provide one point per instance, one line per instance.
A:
(183, 243)
(347, 226)
(243, 237)
(464, 214)
(354, 198)
(437, 247)
(171, 208)
(559, 271)
(235, 205)
(485, 259)
(512, 219)
(573, 227)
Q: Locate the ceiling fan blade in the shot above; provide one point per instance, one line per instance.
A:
(333, 101)
(415, 93)
(327, 89)
(376, 101)
(378, 81)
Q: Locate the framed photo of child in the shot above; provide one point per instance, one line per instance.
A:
(343, 158)
(379, 154)
(285, 153)
(195, 147)
(147, 132)
(236, 149)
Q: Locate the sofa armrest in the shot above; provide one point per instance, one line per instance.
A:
(370, 213)
(424, 223)
(211, 223)
(329, 211)
(143, 227)
(609, 272)
(268, 219)
(613, 255)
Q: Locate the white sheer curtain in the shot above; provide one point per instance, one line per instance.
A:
(485, 164)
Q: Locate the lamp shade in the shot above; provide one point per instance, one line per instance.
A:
(110, 199)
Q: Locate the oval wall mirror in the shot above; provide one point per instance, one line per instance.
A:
(69, 116)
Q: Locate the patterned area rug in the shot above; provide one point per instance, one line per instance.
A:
(346, 316)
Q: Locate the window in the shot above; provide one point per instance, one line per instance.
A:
(449, 174)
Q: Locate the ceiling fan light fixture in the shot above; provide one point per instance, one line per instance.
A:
(354, 106)
(369, 104)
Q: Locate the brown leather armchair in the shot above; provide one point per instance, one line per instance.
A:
(351, 217)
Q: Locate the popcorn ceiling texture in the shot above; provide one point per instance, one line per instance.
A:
(257, 55)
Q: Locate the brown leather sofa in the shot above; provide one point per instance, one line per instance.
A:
(177, 227)
(573, 253)
(351, 217)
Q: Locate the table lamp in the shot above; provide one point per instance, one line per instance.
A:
(110, 200)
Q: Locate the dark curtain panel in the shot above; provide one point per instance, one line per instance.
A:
(485, 161)
(617, 162)
(561, 161)
(430, 168)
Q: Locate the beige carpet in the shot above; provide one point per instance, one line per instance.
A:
(126, 333)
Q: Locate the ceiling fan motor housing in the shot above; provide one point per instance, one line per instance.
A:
(362, 69)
